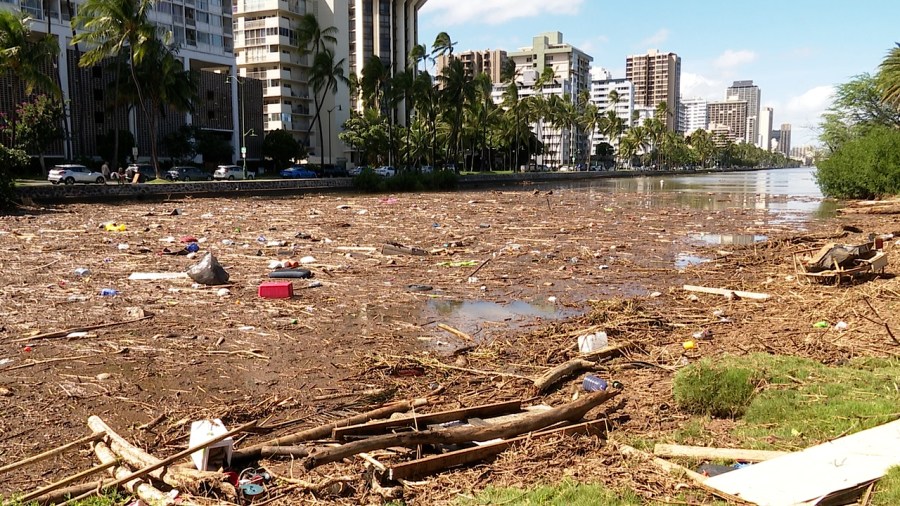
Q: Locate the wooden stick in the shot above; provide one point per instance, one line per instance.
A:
(286, 451)
(164, 462)
(141, 488)
(60, 495)
(727, 293)
(700, 452)
(527, 423)
(456, 332)
(551, 377)
(47, 361)
(673, 468)
(609, 351)
(324, 431)
(65, 481)
(64, 333)
(55, 451)
(479, 267)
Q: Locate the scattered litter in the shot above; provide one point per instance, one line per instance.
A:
(419, 288)
(109, 292)
(123, 246)
(77, 334)
(291, 273)
(592, 342)
(4, 361)
(314, 284)
(841, 325)
(156, 276)
(393, 248)
(343, 206)
(114, 227)
(703, 335)
(308, 260)
(551, 299)
(188, 239)
(594, 383)
(656, 294)
(82, 271)
(689, 345)
(276, 290)
(462, 263)
(821, 324)
(223, 292)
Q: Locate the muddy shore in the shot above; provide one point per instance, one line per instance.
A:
(522, 271)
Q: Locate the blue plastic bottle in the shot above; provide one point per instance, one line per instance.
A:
(594, 383)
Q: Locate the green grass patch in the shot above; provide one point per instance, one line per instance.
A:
(800, 402)
(565, 493)
(887, 491)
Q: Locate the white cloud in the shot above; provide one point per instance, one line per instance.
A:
(592, 44)
(696, 85)
(495, 12)
(813, 101)
(731, 59)
(656, 39)
(804, 112)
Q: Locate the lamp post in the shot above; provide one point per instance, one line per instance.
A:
(239, 83)
(338, 107)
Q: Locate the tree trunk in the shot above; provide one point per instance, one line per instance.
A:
(115, 160)
(321, 135)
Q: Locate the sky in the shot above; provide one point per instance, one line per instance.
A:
(796, 51)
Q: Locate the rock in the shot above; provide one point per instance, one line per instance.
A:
(208, 271)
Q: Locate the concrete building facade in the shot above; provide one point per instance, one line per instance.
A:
(730, 116)
(571, 76)
(694, 114)
(784, 139)
(488, 61)
(747, 91)
(657, 78)
(765, 128)
(600, 96)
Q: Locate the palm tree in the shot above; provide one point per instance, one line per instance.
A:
(113, 27)
(512, 104)
(442, 45)
(418, 53)
(456, 91)
(24, 58)
(312, 38)
(325, 76)
(888, 77)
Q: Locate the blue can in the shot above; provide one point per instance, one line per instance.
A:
(109, 292)
(192, 247)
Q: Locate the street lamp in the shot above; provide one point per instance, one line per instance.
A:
(242, 119)
(338, 107)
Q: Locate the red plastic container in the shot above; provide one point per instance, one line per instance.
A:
(276, 290)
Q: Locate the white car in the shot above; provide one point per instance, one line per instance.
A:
(386, 171)
(71, 174)
(231, 172)
(426, 169)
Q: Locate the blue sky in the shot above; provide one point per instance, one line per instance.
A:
(794, 50)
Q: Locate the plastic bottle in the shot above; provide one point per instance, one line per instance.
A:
(594, 383)
(82, 271)
(109, 292)
(192, 247)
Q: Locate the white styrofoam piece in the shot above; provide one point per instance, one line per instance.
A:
(201, 432)
(804, 477)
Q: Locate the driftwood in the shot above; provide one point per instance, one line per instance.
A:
(548, 379)
(456, 332)
(64, 333)
(283, 451)
(700, 452)
(324, 431)
(50, 453)
(393, 248)
(727, 293)
(143, 489)
(61, 494)
(670, 467)
(191, 480)
(128, 478)
(531, 422)
(65, 481)
(609, 351)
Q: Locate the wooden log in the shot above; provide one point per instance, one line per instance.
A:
(323, 431)
(550, 378)
(392, 248)
(65, 481)
(670, 467)
(727, 293)
(123, 477)
(368, 429)
(165, 462)
(456, 332)
(610, 351)
(50, 453)
(429, 465)
(284, 451)
(60, 495)
(64, 333)
(527, 423)
(701, 452)
(188, 479)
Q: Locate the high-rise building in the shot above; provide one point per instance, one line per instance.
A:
(623, 105)
(571, 76)
(657, 78)
(730, 116)
(765, 129)
(784, 139)
(265, 47)
(694, 116)
(203, 31)
(488, 62)
(747, 91)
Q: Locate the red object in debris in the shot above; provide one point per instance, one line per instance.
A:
(26, 349)
(188, 238)
(276, 290)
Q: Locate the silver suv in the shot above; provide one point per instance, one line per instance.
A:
(231, 172)
(71, 174)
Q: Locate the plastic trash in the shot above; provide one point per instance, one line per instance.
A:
(109, 292)
(82, 271)
(841, 325)
(208, 271)
(192, 247)
(308, 260)
(592, 342)
(594, 383)
(227, 242)
(821, 324)
(291, 273)
(123, 246)
(689, 345)
(703, 335)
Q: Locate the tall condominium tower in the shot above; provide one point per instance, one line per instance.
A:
(488, 62)
(728, 117)
(694, 116)
(657, 78)
(602, 96)
(784, 139)
(747, 91)
(765, 129)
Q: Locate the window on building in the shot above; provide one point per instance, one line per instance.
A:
(99, 117)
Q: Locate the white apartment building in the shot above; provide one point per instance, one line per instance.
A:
(624, 106)
(572, 75)
(203, 28)
(265, 43)
(694, 114)
(765, 128)
(747, 91)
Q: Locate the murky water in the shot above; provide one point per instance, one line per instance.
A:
(727, 239)
(475, 316)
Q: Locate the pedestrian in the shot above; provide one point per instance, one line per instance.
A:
(105, 170)
(121, 175)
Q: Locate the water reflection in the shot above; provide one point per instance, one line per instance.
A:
(727, 239)
(684, 260)
(469, 315)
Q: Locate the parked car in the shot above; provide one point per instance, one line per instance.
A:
(426, 169)
(298, 172)
(355, 171)
(147, 172)
(71, 174)
(188, 173)
(334, 171)
(231, 172)
(386, 171)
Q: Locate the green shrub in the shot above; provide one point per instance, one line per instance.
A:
(12, 161)
(443, 180)
(863, 168)
(887, 491)
(707, 388)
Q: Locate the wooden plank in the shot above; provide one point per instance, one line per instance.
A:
(702, 452)
(429, 465)
(369, 429)
(725, 292)
(818, 471)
